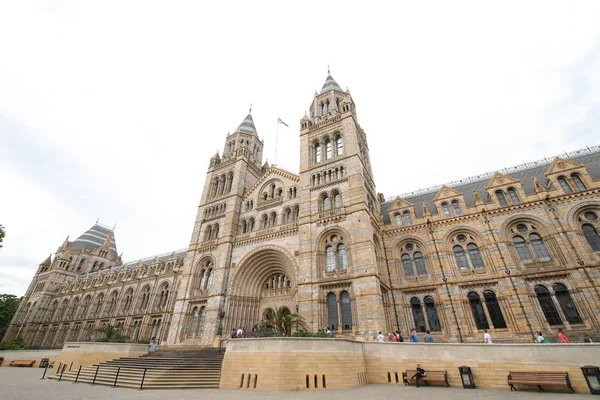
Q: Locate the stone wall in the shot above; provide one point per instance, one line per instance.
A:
(297, 363)
(36, 355)
(86, 353)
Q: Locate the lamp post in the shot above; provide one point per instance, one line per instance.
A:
(591, 373)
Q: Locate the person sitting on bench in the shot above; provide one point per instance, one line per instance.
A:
(419, 374)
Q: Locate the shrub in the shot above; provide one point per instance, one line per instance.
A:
(17, 344)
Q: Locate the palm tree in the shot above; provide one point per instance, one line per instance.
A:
(110, 332)
(282, 320)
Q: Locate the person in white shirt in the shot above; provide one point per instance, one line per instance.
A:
(487, 338)
(380, 337)
(239, 332)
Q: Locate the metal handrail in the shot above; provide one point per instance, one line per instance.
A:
(143, 377)
(95, 375)
(78, 372)
(117, 377)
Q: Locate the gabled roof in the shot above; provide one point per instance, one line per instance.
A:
(590, 158)
(94, 238)
(247, 126)
(329, 82)
(272, 171)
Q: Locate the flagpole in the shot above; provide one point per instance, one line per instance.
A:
(276, 137)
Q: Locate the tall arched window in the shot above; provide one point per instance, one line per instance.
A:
(446, 210)
(578, 182)
(514, 197)
(339, 143)
(412, 260)
(145, 298)
(346, 310)
(522, 249)
(328, 149)
(501, 198)
(417, 312)
(208, 233)
(265, 221)
(547, 305)
(494, 310)
(329, 258)
(475, 256)
(564, 184)
(201, 319)
(591, 235)
(407, 265)
(335, 253)
(567, 304)
(332, 311)
(202, 279)
(273, 219)
(216, 231)
(244, 226)
(337, 200)
(251, 223)
(456, 207)
(342, 258)
(325, 203)
(194, 321)
(538, 246)
(398, 219)
(432, 315)
(210, 278)
(420, 263)
(460, 258)
(407, 219)
(317, 152)
(477, 311)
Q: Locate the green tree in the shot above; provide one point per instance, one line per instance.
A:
(282, 320)
(2, 234)
(8, 307)
(110, 333)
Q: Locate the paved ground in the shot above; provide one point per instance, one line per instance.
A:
(25, 383)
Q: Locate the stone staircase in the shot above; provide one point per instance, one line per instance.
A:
(168, 368)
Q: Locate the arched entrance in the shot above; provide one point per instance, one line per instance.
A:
(265, 280)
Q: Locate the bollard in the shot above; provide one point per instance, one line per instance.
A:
(45, 370)
(62, 372)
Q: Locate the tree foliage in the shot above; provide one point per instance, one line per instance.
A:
(109, 333)
(8, 307)
(282, 320)
(2, 234)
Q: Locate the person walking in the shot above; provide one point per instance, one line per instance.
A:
(487, 338)
(562, 337)
(419, 374)
(152, 346)
(380, 337)
(413, 335)
(540, 338)
(428, 337)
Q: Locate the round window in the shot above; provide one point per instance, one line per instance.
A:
(522, 228)
(334, 238)
(461, 238)
(410, 247)
(590, 216)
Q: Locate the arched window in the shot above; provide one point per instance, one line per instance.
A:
(432, 315)
(339, 143)
(145, 298)
(288, 215)
(194, 321)
(446, 210)
(547, 305)
(407, 265)
(567, 304)
(325, 203)
(475, 256)
(329, 258)
(332, 311)
(99, 301)
(328, 149)
(456, 207)
(346, 310)
(578, 182)
(591, 235)
(501, 198)
(202, 279)
(209, 278)
(244, 226)
(398, 219)
(407, 219)
(273, 219)
(317, 152)
(342, 259)
(337, 200)
(460, 258)
(417, 312)
(201, 319)
(420, 263)
(514, 197)
(216, 231)
(477, 311)
(296, 213)
(265, 221)
(494, 310)
(564, 184)
(538, 246)
(522, 249)
(208, 233)
(251, 223)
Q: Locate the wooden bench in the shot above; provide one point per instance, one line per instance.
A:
(21, 363)
(439, 376)
(539, 379)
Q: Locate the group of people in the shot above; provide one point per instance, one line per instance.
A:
(237, 333)
(391, 337)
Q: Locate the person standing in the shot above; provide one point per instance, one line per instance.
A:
(399, 336)
(540, 338)
(413, 335)
(380, 337)
(239, 332)
(428, 337)
(562, 337)
(152, 346)
(419, 374)
(487, 338)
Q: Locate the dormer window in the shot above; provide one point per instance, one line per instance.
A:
(456, 207)
(446, 210)
(501, 198)
(578, 182)
(407, 218)
(398, 219)
(514, 197)
(564, 184)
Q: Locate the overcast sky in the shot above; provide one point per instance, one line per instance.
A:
(112, 109)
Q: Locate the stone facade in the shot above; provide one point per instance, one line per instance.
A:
(511, 252)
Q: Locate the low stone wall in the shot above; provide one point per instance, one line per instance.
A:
(36, 355)
(89, 353)
(293, 364)
(311, 363)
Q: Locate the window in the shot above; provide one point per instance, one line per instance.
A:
(417, 312)
(251, 223)
(407, 219)
(201, 319)
(591, 235)
(412, 260)
(475, 256)
(578, 182)
(564, 184)
(265, 221)
(538, 246)
(332, 311)
(330, 258)
(522, 249)
(346, 310)
(460, 258)
(244, 226)
(446, 210)
(494, 310)
(527, 239)
(325, 203)
(342, 259)
(328, 149)
(566, 303)
(194, 321)
(514, 197)
(547, 305)
(145, 298)
(432, 315)
(398, 219)
(317, 152)
(273, 219)
(335, 253)
(456, 207)
(501, 198)
(477, 311)
(339, 143)
(337, 200)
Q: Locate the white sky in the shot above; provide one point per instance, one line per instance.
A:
(112, 109)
